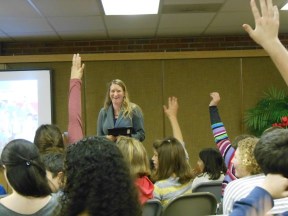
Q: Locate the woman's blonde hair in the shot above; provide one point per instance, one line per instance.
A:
(246, 153)
(127, 106)
(135, 155)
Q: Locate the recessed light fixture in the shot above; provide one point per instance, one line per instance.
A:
(130, 7)
(285, 7)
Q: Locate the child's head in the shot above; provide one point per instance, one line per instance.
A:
(98, 180)
(54, 164)
(244, 161)
(24, 170)
(48, 137)
(271, 152)
(135, 155)
(211, 162)
(169, 159)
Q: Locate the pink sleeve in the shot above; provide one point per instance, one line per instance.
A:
(75, 128)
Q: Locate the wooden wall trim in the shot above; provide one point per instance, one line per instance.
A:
(134, 56)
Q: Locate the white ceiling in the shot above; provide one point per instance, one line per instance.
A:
(22, 20)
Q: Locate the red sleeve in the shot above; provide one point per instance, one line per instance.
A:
(75, 127)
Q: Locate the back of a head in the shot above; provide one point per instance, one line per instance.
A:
(213, 161)
(239, 138)
(246, 147)
(53, 161)
(48, 137)
(172, 160)
(135, 155)
(24, 169)
(271, 152)
(98, 180)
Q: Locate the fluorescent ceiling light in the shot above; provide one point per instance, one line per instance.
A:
(285, 7)
(130, 7)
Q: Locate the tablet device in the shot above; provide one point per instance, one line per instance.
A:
(124, 131)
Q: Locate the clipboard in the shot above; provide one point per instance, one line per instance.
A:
(124, 131)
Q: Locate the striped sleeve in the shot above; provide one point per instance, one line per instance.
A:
(223, 143)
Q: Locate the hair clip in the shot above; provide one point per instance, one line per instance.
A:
(28, 163)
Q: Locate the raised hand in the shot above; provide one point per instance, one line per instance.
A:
(172, 109)
(77, 68)
(266, 23)
(215, 98)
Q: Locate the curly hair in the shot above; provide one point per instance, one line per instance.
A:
(24, 170)
(214, 164)
(48, 137)
(246, 148)
(172, 160)
(127, 105)
(98, 180)
(271, 152)
(239, 138)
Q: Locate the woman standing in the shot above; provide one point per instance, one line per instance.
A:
(119, 112)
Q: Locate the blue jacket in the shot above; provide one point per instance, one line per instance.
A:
(258, 201)
(106, 121)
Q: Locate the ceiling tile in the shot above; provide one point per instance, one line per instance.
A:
(185, 20)
(235, 18)
(9, 25)
(77, 23)
(131, 22)
(178, 32)
(83, 35)
(16, 8)
(140, 33)
(35, 36)
(192, 1)
(67, 7)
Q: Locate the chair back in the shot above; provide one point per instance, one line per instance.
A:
(195, 204)
(214, 187)
(152, 207)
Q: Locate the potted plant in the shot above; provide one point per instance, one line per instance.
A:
(271, 110)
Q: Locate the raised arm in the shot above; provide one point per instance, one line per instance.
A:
(171, 112)
(221, 139)
(75, 127)
(220, 135)
(266, 34)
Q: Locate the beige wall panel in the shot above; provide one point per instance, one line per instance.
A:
(144, 83)
(192, 81)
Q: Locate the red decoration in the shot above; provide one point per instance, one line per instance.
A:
(283, 123)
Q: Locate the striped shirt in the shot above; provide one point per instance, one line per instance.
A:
(241, 188)
(165, 190)
(224, 145)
